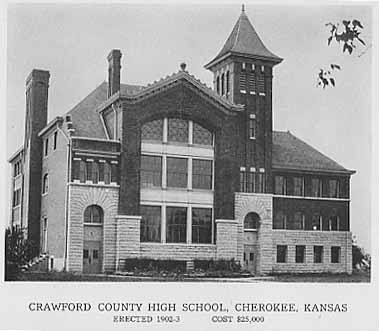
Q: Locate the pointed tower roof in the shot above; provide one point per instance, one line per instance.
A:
(244, 40)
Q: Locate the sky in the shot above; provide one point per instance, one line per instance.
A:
(73, 41)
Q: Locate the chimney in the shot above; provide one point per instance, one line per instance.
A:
(114, 68)
(37, 85)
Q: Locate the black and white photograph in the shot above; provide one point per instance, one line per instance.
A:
(189, 144)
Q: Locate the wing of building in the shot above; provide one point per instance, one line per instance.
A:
(178, 171)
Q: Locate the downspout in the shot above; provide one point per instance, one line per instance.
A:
(67, 194)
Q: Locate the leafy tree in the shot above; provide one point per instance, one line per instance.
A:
(348, 36)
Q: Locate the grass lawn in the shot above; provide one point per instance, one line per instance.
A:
(356, 277)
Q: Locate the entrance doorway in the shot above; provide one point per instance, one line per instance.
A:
(92, 257)
(93, 240)
(251, 227)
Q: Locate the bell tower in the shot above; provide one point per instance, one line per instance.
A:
(243, 72)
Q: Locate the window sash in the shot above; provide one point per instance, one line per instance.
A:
(317, 254)
(177, 172)
(201, 174)
(316, 187)
(298, 186)
(333, 188)
(300, 254)
(281, 254)
(201, 225)
(151, 224)
(176, 224)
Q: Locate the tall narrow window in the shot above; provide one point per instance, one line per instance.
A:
(281, 254)
(201, 225)
(114, 172)
(151, 171)
(95, 173)
(89, 170)
(298, 221)
(316, 187)
(279, 220)
(243, 82)
(202, 174)
(318, 254)
(227, 82)
(252, 127)
(298, 186)
(177, 130)
(176, 172)
(46, 146)
(101, 172)
(251, 182)
(55, 140)
(150, 223)
(300, 254)
(45, 184)
(280, 185)
(316, 222)
(107, 173)
(261, 182)
(334, 189)
(218, 84)
(242, 181)
(176, 224)
(335, 254)
(83, 171)
(76, 169)
(222, 84)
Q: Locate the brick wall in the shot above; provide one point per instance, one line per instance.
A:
(310, 239)
(80, 197)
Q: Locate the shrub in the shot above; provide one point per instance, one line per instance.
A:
(18, 251)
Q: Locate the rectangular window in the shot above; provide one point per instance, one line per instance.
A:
(300, 254)
(298, 221)
(201, 136)
(114, 173)
(242, 181)
(177, 130)
(152, 130)
(83, 172)
(107, 173)
(202, 174)
(176, 224)
(76, 170)
(280, 185)
(16, 197)
(89, 171)
(298, 186)
(316, 222)
(151, 171)
(261, 183)
(46, 146)
(334, 189)
(150, 224)
(316, 187)
(55, 140)
(251, 182)
(201, 225)
(101, 171)
(252, 128)
(176, 172)
(95, 173)
(335, 254)
(334, 223)
(281, 254)
(318, 254)
(279, 220)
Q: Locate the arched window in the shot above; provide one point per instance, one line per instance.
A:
(251, 221)
(45, 184)
(93, 215)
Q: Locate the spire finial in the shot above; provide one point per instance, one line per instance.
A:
(243, 8)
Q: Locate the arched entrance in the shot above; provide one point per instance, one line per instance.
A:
(93, 220)
(250, 227)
